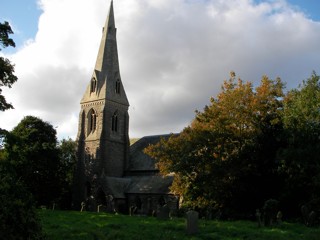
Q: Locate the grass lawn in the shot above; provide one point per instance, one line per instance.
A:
(87, 225)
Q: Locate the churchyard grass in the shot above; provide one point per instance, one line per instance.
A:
(87, 225)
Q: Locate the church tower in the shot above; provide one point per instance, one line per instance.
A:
(103, 140)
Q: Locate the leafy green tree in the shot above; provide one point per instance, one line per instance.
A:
(226, 158)
(67, 152)
(31, 148)
(299, 158)
(7, 77)
(18, 218)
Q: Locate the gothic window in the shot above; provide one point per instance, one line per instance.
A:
(114, 126)
(92, 123)
(93, 85)
(118, 86)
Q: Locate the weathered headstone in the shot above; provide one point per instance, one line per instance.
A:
(192, 222)
(163, 212)
(311, 218)
(258, 216)
(83, 205)
(100, 207)
(132, 210)
(279, 217)
(305, 214)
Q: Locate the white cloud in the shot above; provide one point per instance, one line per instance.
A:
(174, 55)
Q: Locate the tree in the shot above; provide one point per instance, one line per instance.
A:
(7, 77)
(299, 158)
(31, 149)
(67, 152)
(226, 158)
(18, 218)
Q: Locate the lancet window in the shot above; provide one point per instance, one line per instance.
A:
(114, 126)
(92, 123)
(118, 86)
(93, 85)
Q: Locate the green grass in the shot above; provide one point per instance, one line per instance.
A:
(86, 225)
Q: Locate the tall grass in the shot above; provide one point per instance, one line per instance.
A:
(86, 225)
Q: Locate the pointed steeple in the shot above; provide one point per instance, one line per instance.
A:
(106, 80)
(108, 32)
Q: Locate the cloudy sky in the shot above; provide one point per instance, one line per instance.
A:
(174, 54)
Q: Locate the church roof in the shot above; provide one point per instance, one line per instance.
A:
(115, 186)
(150, 184)
(139, 161)
(118, 187)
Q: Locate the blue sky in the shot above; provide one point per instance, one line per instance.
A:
(174, 54)
(23, 16)
(310, 7)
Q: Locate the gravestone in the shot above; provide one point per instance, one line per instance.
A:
(83, 205)
(311, 219)
(305, 214)
(279, 217)
(132, 210)
(101, 208)
(192, 222)
(163, 212)
(258, 216)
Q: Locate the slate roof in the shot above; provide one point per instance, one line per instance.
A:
(139, 161)
(150, 184)
(115, 186)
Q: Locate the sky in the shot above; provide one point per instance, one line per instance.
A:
(173, 54)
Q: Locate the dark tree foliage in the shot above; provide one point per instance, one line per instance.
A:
(18, 218)
(67, 151)
(31, 149)
(300, 158)
(7, 77)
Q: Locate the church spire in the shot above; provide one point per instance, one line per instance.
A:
(108, 34)
(106, 80)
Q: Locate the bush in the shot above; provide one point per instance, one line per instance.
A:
(18, 219)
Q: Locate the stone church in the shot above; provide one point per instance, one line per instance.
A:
(110, 173)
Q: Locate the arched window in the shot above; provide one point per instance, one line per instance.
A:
(114, 126)
(93, 85)
(92, 123)
(118, 86)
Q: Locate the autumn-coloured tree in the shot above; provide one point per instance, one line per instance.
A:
(225, 158)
